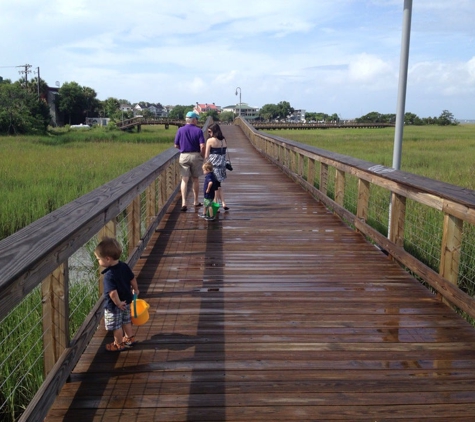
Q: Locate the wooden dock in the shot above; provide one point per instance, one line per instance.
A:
(275, 312)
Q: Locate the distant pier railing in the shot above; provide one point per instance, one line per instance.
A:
(329, 125)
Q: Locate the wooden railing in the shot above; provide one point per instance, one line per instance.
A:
(38, 256)
(327, 175)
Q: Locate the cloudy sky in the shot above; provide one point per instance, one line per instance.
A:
(333, 56)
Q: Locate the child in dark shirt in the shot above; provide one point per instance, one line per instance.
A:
(119, 287)
(209, 188)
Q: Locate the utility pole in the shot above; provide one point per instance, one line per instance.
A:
(38, 84)
(25, 72)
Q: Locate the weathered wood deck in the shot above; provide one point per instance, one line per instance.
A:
(276, 312)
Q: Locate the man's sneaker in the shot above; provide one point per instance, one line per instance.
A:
(129, 341)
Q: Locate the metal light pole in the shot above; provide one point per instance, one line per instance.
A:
(401, 98)
(239, 99)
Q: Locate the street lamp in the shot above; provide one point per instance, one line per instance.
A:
(239, 99)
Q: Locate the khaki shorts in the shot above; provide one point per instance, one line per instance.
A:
(191, 164)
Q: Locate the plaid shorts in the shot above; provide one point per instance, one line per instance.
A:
(116, 319)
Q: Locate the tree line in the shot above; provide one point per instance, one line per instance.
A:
(24, 109)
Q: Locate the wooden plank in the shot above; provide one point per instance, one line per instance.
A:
(277, 311)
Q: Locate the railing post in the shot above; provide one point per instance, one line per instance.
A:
(109, 230)
(450, 248)
(323, 178)
(397, 219)
(311, 171)
(301, 163)
(55, 300)
(363, 200)
(293, 161)
(133, 223)
(151, 202)
(340, 187)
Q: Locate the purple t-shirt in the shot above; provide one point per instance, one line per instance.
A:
(189, 138)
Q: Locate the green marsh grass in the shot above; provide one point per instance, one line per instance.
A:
(439, 152)
(40, 174)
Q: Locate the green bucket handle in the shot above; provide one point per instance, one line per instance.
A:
(135, 305)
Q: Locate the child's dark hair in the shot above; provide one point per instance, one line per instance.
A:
(108, 247)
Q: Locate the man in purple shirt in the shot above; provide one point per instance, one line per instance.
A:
(190, 141)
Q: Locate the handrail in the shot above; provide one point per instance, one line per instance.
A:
(457, 204)
(38, 255)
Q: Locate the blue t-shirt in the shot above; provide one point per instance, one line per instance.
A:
(210, 177)
(118, 277)
(189, 138)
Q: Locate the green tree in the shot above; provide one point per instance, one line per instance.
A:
(269, 112)
(226, 116)
(446, 118)
(412, 119)
(72, 101)
(91, 103)
(20, 110)
(213, 113)
(110, 107)
(179, 112)
(43, 87)
(285, 109)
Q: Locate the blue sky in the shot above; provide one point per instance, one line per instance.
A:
(332, 56)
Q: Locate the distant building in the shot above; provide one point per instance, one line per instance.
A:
(297, 116)
(97, 121)
(247, 112)
(138, 111)
(166, 110)
(204, 108)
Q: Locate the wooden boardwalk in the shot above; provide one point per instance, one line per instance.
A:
(276, 312)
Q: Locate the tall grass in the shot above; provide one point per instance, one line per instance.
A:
(442, 153)
(40, 174)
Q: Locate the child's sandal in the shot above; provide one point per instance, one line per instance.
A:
(129, 341)
(113, 347)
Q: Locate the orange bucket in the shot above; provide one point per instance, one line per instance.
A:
(139, 311)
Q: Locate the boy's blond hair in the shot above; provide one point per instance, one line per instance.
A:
(208, 166)
(108, 247)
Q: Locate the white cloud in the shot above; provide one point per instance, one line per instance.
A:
(369, 70)
(341, 54)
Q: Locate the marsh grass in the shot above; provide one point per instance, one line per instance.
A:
(439, 152)
(40, 174)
